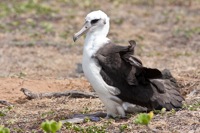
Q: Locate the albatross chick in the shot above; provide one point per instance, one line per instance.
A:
(118, 77)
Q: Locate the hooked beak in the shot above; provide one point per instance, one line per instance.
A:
(85, 28)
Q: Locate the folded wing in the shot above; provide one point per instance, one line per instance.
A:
(139, 85)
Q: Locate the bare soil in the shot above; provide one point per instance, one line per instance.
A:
(37, 53)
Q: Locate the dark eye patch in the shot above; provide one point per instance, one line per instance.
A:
(94, 21)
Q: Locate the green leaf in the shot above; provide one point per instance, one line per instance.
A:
(54, 127)
(4, 129)
(123, 127)
(143, 119)
(46, 126)
(51, 126)
(59, 125)
(163, 110)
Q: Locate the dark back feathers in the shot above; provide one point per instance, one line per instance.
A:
(139, 85)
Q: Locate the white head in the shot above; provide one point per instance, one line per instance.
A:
(96, 23)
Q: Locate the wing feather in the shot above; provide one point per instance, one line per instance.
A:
(147, 87)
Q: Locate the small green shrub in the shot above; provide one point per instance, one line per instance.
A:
(51, 126)
(4, 129)
(144, 118)
(123, 127)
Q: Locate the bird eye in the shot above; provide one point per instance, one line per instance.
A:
(94, 21)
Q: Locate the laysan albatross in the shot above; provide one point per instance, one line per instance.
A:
(120, 78)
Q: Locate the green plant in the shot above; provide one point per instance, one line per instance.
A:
(123, 127)
(48, 113)
(51, 126)
(187, 32)
(4, 129)
(173, 111)
(2, 113)
(28, 6)
(95, 129)
(48, 27)
(162, 111)
(89, 129)
(87, 119)
(192, 107)
(5, 110)
(144, 118)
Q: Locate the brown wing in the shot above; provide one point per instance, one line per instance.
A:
(138, 84)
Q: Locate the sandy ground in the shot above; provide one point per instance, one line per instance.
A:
(37, 53)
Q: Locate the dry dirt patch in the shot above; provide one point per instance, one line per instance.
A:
(10, 87)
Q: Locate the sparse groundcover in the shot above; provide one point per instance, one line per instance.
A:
(37, 52)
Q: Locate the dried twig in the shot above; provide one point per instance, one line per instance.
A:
(4, 102)
(71, 93)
